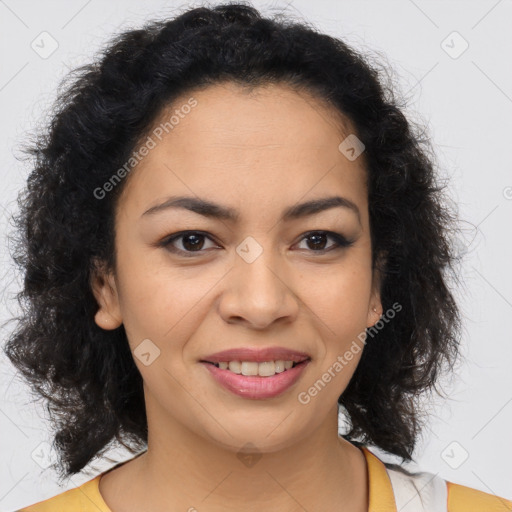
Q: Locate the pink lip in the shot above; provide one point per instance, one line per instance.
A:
(257, 355)
(255, 387)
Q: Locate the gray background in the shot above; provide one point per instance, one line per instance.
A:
(466, 102)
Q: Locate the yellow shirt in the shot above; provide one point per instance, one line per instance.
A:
(87, 497)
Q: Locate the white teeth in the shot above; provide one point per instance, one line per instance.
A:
(252, 368)
(235, 366)
(249, 368)
(279, 366)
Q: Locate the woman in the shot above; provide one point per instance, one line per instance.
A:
(231, 230)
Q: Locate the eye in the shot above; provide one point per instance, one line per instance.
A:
(191, 241)
(317, 240)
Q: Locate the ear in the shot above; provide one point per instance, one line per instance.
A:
(375, 308)
(104, 288)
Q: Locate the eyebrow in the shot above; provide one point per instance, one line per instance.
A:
(217, 211)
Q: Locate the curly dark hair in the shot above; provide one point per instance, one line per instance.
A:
(87, 375)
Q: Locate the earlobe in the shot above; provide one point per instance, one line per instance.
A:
(375, 309)
(104, 289)
(374, 312)
(104, 320)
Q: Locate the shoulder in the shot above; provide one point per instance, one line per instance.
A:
(467, 499)
(84, 498)
(433, 492)
(392, 487)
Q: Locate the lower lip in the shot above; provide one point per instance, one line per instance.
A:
(255, 387)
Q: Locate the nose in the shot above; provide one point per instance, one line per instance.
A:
(259, 293)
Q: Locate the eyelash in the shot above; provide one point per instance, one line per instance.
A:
(340, 241)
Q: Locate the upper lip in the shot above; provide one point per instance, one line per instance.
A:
(257, 355)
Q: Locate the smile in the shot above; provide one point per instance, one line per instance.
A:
(243, 378)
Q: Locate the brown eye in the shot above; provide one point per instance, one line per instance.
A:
(194, 241)
(316, 241)
(191, 241)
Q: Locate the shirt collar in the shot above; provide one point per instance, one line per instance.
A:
(380, 491)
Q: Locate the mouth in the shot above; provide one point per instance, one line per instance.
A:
(257, 369)
(257, 355)
(256, 380)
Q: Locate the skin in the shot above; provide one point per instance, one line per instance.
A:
(280, 148)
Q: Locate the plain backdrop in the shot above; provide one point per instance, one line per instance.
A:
(452, 62)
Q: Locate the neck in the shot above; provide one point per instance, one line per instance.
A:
(182, 470)
(190, 471)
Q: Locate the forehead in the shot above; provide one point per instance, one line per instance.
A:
(245, 117)
(265, 145)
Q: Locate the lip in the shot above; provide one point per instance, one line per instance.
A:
(257, 355)
(255, 387)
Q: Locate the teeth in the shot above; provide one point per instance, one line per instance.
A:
(263, 369)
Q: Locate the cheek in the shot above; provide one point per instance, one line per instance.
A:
(341, 296)
(340, 304)
(160, 302)
(341, 307)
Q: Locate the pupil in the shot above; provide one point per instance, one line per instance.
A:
(194, 244)
(316, 237)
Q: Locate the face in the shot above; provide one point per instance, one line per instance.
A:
(189, 284)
